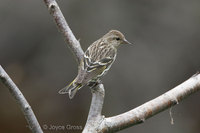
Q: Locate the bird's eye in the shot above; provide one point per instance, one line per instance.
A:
(117, 38)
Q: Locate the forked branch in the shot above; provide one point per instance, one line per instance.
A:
(96, 121)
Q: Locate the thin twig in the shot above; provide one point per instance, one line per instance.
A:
(62, 25)
(20, 99)
(171, 117)
(151, 108)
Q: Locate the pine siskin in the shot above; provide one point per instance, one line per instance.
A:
(97, 60)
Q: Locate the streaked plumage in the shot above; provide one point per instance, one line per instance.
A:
(97, 60)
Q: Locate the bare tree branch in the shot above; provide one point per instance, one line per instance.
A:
(151, 108)
(62, 25)
(20, 99)
(94, 117)
(96, 122)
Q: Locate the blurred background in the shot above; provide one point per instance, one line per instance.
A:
(34, 54)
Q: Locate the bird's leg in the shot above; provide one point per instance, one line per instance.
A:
(93, 85)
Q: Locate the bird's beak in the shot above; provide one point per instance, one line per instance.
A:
(126, 42)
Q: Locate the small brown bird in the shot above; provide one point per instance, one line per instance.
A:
(97, 60)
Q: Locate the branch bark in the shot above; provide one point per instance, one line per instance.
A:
(20, 99)
(62, 25)
(94, 117)
(151, 108)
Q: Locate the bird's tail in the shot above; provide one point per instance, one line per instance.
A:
(72, 88)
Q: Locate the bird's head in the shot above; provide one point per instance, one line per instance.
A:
(115, 38)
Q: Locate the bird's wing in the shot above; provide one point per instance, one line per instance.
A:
(94, 70)
(105, 62)
(96, 62)
(102, 61)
